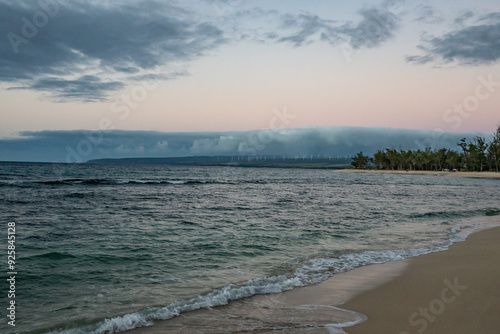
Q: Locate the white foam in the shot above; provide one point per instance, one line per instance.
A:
(176, 182)
(125, 323)
(336, 328)
(314, 271)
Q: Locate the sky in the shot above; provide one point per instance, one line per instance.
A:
(87, 79)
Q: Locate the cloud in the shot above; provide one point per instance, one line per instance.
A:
(82, 50)
(87, 50)
(428, 14)
(463, 18)
(161, 146)
(88, 88)
(222, 145)
(79, 146)
(477, 44)
(305, 26)
(376, 26)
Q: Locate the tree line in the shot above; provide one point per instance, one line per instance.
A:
(477, 155)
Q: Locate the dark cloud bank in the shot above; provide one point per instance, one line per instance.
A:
(84, 50)
(475, 44)
(80, 146)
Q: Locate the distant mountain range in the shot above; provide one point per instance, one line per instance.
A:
(236, 161)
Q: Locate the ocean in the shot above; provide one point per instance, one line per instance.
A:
(108, 248)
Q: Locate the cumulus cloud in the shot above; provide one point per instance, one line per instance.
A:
(80, 146)
(84, 50)
(208, 146)
(477, 44)
(161, 146)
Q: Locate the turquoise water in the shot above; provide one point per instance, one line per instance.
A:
(104, 249)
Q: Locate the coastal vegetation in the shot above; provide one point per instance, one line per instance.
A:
(477, 155)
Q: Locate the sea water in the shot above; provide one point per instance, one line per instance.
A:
(108, 248)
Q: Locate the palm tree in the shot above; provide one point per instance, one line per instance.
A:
(480, 147)
(465, 152)
(360, 160)
(495, 149)
(475, 156)
(381, 160)
(453, 160)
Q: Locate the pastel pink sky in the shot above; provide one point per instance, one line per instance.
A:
(237, 85)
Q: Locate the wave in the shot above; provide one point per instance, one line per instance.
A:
(492, 212)
(191, 181)
(312, 272)
(79, 195)
(52, 256)
(11, 183)
(19, 183)
(169, 182)
(457, 214)
(90, 182)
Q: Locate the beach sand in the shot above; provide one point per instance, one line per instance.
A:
(312, 309)
(453, 291)
(487, 175)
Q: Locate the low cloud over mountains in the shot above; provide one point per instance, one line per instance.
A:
(80, 146)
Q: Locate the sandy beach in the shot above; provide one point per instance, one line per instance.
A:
(453, 291)
(490, 175)
(313, 309)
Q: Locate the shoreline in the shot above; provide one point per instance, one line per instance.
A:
(453, 291)
(486, 175)
(313, 309)
(350, 302)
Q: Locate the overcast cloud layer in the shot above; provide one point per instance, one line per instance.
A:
(86, 50)
(80, 146)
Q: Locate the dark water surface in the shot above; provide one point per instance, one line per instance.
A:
(103, 249)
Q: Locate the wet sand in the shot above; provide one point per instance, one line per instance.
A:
(312, 309)
(454, 291)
